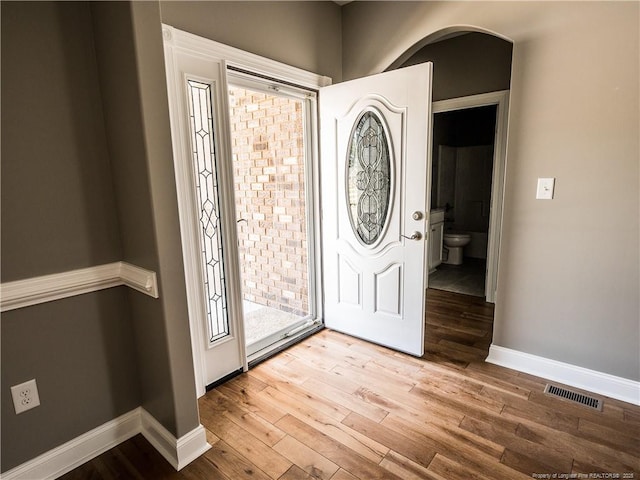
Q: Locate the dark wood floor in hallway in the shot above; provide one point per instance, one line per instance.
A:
(335, 407)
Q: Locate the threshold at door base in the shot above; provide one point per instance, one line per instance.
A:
(269, 352)
(224, 379)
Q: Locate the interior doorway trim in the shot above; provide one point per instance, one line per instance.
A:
(501, 100)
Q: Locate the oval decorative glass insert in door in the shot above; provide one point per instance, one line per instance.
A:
(368, 177)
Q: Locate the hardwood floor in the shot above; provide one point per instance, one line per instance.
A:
(334, 407)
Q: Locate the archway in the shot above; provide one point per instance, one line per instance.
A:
(467, 61)
(471, 82)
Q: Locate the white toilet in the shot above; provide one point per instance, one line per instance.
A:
(455, 243)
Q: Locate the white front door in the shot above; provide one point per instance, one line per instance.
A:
(375, 172)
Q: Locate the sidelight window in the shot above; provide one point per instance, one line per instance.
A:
(208, 205)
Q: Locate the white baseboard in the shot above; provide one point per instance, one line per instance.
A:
(60, 460)
(579, 377)
(178, 452)
(74, 453)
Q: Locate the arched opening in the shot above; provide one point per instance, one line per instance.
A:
(471, 81)
(465, 62)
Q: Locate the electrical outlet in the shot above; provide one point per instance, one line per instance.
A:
(25, 396)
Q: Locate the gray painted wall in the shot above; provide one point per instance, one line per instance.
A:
(58, 214)
(569, 268)
(303, 34)
(157, 141)
(57, 200)
(466, 65)
(88, 178)
(118, 71)
(81, 352)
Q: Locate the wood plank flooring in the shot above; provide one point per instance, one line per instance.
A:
(337, 408)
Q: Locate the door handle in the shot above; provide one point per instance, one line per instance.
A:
(414, 236)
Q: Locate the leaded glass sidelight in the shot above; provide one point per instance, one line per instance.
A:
(208, 207)
(368, 177)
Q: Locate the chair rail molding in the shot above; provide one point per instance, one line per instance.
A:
(47, 288)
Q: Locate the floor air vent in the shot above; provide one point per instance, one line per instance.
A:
(575, 397)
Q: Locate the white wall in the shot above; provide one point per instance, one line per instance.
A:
(569, 268)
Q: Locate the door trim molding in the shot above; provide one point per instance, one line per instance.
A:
(501, 100)
(56, 286)
(178, 42)
(235, 57)
(572, 375)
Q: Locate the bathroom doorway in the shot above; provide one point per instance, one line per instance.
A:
(466, 193)
(468, 62)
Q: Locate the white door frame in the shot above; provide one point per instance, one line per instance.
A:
(501, 100)
(309, 98)
(231, 57)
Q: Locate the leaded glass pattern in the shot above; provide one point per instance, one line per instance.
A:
(208, 204)
(369, 177)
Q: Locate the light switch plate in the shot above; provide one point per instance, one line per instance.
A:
(545, 188)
